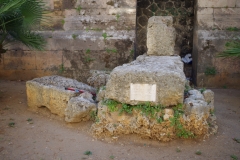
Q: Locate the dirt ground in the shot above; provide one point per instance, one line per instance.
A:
(46, 136)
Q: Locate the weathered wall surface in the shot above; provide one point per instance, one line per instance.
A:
(213, 22)
(82, 35)
(182, 12)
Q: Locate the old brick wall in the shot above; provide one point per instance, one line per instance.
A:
(82, 35)
(214, 23)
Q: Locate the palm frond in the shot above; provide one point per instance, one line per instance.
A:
(30, 39)
(9, 6)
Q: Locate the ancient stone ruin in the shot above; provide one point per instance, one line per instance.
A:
(146, 96)
(50, 92)
(149, 97)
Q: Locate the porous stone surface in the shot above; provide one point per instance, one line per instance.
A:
(50, 92)
(161, 36)
(198, 103)
(98, 78)
(111, 124)
(164, 71)
(209, 98)
(79, 109)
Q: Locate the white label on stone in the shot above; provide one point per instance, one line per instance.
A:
(143, 92)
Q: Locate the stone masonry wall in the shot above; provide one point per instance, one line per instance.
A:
(82, 35)
(214, 26)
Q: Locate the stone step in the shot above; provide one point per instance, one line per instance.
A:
(100, 11)
(82, 40)
(100, 22)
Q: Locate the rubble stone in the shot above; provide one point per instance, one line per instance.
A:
(79, 109)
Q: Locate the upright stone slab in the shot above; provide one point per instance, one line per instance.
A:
(156, 79)
(161, 36)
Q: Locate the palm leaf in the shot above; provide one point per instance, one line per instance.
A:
(30, 39)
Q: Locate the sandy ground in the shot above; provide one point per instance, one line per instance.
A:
(48, 137)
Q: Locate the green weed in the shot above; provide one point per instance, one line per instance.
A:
(105, 35)
(180, 130)
(63, 21)
(88, 153)
(210, 71)
(61, 68)
(74, 36)
(178, 150)
(237, 140)
(111, 157)
(198, 153)
(233, 157)
(111, 50)
(202, 90)
(117, 17)
(29, 119)
(111, 104)
(88, 51)
(11, 124)
(79, 8)
(233, 29)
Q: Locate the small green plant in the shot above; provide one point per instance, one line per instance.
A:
(117, 17)
(63, 21)
(29, 119)
(111, 50)
(202, 90)
(88, 153)
(11, 124)
(233, 157)
(198, 153)
(79, 8)
(93, 115)
(225, 86)
(111, 157)
(175, 121)
(111, 104)
(105, 35)
(178, 150)
(88, 59)
(237, 140)
(210, 71)
(233, 29)
(74, 36)
(132, 52)
(61, 68)
(88, 51)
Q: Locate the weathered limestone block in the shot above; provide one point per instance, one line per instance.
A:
(50, 92)
(199, 104)
(79, 109)
(196, 107)
(209, 98)
(161, 36)
(159, 79)
(196, 95)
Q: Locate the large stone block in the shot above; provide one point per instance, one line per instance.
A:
(158, 79)
(161, 36)
(216, 3)
(50, 92)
